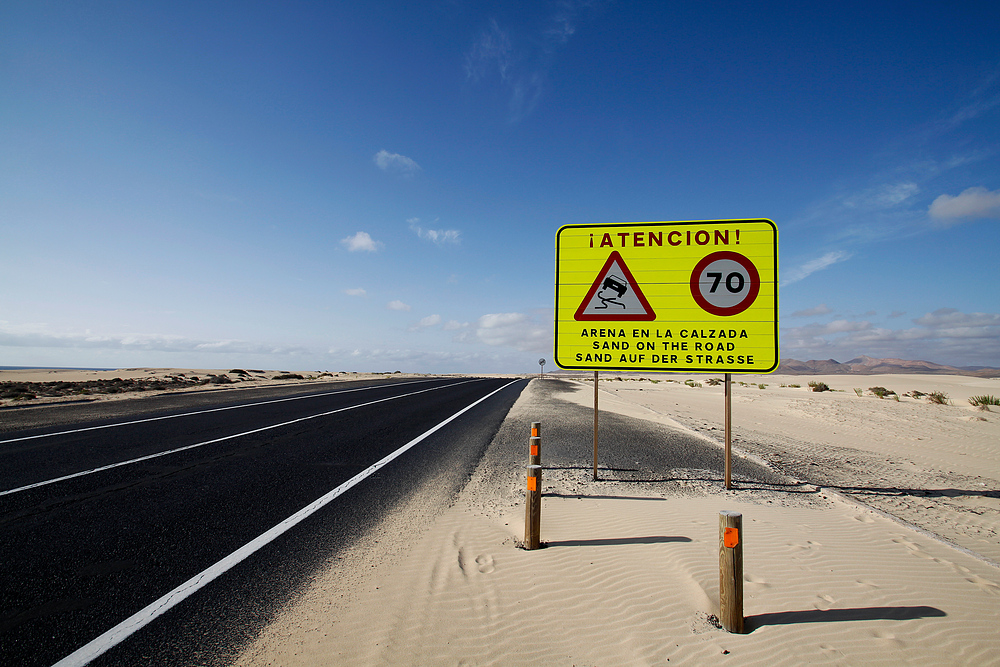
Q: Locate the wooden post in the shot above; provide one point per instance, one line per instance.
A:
(533, 508)
(595, 426)
(731, 571)
(729, 431)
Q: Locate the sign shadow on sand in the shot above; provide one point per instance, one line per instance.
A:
(618, 541)
(836, 615)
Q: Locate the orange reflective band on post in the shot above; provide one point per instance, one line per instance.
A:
(534, 433)
(534, 450)
(532, 484)
(731, 537)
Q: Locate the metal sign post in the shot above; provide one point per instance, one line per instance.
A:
(729, 431)
(595, 425)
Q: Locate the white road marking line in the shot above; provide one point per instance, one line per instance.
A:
(202, 412)
(141, 618)
(209, 442)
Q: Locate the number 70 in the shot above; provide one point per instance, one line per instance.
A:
(735, 282)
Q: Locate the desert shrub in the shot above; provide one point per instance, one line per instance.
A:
(858, 391)
(984, 402)
(938, 397)
(881, 392)
(819, 386)
(915, 394)
(289, 376)
(794, 386)
(692, 383)
(762, 386)
(713, 382)
(19, 391)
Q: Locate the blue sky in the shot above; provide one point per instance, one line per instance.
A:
(377, 186)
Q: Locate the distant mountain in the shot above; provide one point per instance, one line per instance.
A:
(868, 366)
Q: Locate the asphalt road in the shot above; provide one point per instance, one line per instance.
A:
(106, 510)
(630, 450)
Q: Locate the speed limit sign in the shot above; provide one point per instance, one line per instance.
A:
(725, 283)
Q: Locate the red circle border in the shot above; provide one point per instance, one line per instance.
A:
(742, 305)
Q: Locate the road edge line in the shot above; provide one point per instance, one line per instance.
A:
(119, 633)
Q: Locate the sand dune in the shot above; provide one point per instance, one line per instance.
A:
(37, 386)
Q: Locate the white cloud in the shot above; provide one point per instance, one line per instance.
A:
(395, 162)
(972, 203)
(821, 309)
(39, 337)
(429, 321)
(516, 330)
(562, 26)
(438, 236)
(355, 291)
(835, 327)
(975, 108)
(491, 50)
(362, 241)
(524, 61)
(814, 265)
(882, 197)
(454, 325)
(397, 305)
(950, 318)
(945, 336)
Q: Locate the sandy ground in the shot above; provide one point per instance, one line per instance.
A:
(630, 572)
(935, 466)
(250, 379)
(255, 376)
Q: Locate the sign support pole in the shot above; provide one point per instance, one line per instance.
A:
(595, 425)
(729, 430)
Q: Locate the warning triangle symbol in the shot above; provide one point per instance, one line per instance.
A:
(615, 296)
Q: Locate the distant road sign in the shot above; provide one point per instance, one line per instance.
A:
(697, 296)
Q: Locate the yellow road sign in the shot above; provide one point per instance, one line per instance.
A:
(695, 296)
